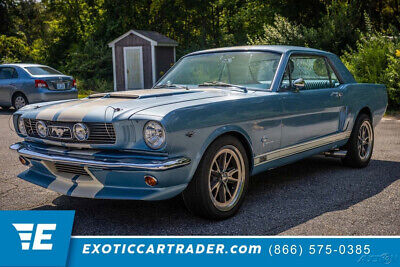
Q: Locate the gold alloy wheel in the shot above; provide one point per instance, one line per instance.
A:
(226, 178)
(364, 140)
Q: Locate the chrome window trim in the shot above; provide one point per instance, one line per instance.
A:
(296, 53)
(231, 51)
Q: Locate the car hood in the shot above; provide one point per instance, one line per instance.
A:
(119, 105)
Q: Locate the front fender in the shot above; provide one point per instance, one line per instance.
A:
(227, 129)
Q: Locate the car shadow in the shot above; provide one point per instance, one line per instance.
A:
(6, 112)
(277, 200)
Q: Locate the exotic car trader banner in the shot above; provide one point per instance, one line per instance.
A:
(43, 238)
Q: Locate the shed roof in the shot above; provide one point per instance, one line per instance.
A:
(153, 37)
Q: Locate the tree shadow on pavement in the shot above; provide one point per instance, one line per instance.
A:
(277, 200)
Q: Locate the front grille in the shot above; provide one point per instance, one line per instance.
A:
(67, 168)
(99, 133)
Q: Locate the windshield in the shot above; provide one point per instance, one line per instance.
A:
(249, 69)
(42, 70)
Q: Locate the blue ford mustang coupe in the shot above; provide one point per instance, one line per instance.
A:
(216, 118)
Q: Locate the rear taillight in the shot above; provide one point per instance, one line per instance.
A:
(74, 83)
(41, 84)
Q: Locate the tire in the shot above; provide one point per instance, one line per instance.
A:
(19, 101)
(217, 192)
(361, 143)
(5, 108)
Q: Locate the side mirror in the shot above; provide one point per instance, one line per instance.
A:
(299, 84)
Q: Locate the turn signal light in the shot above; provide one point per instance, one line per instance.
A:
(23, 160)
(150, 180)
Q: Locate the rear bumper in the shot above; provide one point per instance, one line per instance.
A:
(101, 174)
(45, 95)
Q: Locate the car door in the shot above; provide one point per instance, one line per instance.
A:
(313, 109)
(8, 77)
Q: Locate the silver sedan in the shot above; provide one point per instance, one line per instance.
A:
(22, 84)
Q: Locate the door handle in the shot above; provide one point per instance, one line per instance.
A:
(337, 94)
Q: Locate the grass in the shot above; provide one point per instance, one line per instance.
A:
(82, 95)
(393, 113)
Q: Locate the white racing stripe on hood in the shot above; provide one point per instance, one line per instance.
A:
(80, 111)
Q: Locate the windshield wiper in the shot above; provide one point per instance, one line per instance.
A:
(222, 84)
(170, 85)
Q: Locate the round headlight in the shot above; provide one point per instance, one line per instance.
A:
(41, 129)
(154, 134)
(81, 131)
(21, 126)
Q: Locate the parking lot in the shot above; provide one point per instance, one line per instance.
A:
(316, 196)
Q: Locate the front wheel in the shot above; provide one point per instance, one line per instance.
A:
(360, 144)
(220, 183)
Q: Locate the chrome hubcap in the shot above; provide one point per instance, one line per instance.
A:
(226, 178)
(19, 102)
(364, 140)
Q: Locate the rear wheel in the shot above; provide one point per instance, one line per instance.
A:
(220, 183)
(360, 144)
(19, 101)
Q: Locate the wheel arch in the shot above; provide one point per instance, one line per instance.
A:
(18, 92)
(236, 132)
(365, 110)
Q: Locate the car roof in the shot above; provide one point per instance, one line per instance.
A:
(23, 65)
(270, 48)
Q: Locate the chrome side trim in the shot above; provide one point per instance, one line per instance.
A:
(151, 165)
(292, 150)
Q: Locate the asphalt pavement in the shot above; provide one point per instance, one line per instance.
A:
(316, 196)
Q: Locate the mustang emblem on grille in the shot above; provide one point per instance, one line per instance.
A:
(60, 132)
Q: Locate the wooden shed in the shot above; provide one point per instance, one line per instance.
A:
(140, 58)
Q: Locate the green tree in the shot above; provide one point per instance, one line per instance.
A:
(13, 49)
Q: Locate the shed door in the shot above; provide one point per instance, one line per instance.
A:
(133, 58)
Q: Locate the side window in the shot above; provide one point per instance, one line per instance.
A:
(8, 73)
(314, 70)
(334, 80)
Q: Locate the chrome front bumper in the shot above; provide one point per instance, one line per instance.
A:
(104, 163)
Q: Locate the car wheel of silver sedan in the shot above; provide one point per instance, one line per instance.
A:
(361, 143)
(19, 101)
(218, 187)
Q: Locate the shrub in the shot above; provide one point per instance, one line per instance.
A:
(375, 61)
(90, 63)
(336, 32)
(392, 76)
(13, 49)
(94, 85)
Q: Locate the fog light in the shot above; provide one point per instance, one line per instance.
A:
(23, 160)
(150, 180)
